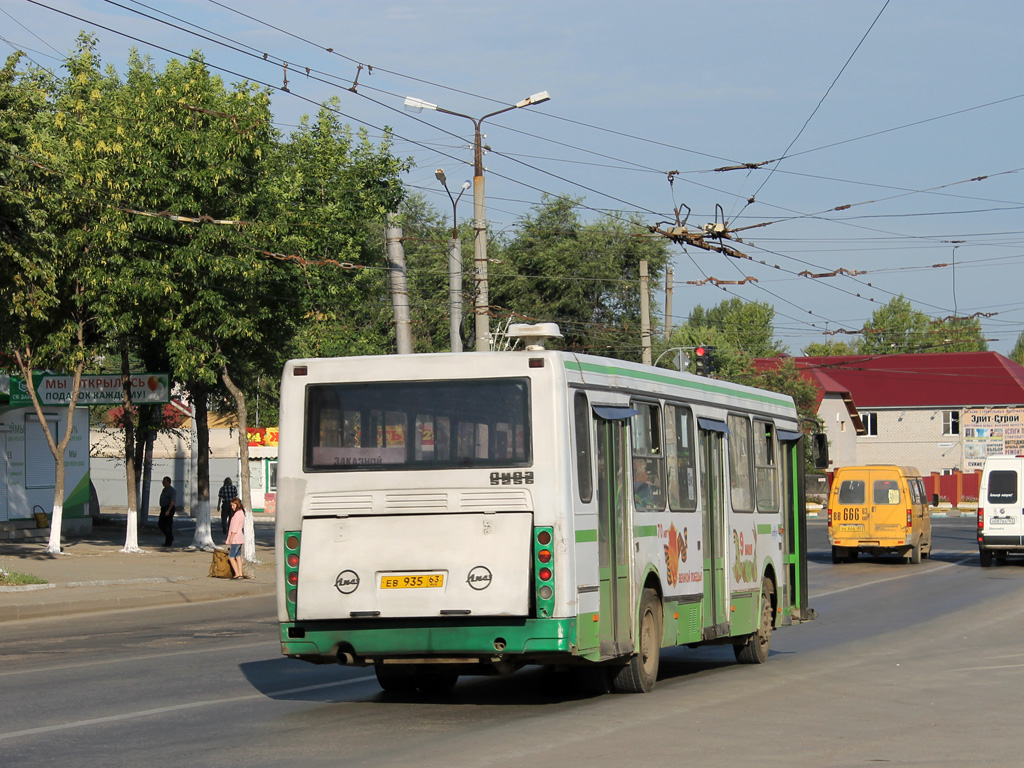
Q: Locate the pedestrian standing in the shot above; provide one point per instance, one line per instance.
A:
(226, 493)
(236, 538)
(167, 505)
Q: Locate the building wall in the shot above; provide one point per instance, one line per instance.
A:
(842, 435)
(23, 497)
(912, 437)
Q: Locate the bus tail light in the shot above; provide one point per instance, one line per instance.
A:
(543, 571)
(910, 518)
(830, 518)
(292, 540)
(981, 522)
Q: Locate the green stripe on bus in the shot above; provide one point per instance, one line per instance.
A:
(702, 386)
(640, 531)
(584, 536)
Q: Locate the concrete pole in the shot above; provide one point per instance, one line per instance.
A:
(668, 303)
(455, 293)
(645, 314)
(482, 302)
(399, 291)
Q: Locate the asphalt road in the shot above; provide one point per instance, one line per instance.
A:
(906, 665)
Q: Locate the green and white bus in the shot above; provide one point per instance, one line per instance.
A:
(447, 514)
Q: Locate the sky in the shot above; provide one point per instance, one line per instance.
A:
(909, 112)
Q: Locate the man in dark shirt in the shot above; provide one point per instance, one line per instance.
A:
(166, 520)
(226, 493)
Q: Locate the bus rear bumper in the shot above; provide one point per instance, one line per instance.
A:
(519, 640)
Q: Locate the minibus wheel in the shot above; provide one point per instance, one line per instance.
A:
(985, 557)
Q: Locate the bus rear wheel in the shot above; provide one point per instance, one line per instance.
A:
(985, 557)
(754, 649)
(641, 672)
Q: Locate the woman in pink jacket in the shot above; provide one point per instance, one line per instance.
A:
(236, 538)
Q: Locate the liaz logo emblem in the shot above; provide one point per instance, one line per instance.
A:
(479, 578)
(347, 582)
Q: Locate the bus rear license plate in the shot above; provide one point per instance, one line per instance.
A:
(851, 528)
(412, 581)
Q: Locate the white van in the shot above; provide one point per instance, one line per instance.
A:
(1001, 508)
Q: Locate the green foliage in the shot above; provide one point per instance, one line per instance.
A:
(830, 349)
(328, 193)
(584, 276)
(1017, 354)
(736, 330)
(899, 328)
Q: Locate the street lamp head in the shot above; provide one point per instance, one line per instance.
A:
(537, 98)
(466, 185)
(439, 175)
(417, 105)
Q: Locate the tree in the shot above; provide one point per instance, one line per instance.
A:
(1017, 354)
(898, 327)
(327, 194)
(830, 349)
(584, 276)
(736, 330)
(44, 310)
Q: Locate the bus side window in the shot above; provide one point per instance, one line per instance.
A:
(648, 457)
(741, 483)
(766, 469)
(584, 475)
(679, 455)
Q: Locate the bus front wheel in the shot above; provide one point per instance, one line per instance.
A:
(641, 672)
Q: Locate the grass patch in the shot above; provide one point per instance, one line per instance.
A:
(15, 579)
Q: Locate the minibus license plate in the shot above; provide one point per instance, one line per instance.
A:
(846, 528)
(412, 580)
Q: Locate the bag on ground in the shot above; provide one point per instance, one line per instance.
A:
(220, 568)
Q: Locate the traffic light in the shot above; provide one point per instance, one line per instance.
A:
(704, 363)
(700, 361)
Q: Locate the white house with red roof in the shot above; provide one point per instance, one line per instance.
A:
(937, 412)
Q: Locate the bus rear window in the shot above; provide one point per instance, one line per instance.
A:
(417, 425)
(1002, 486)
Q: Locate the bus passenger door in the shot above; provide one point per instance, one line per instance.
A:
(716, 585)
(616, 618)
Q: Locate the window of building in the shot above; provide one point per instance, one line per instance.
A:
(951, 422)
(870, 421)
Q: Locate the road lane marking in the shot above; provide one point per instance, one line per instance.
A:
(146, 657)
(178, 708)
(893, 578)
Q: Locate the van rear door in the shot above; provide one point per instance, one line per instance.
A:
(1002, 505)
(850, 511)
(887, 519)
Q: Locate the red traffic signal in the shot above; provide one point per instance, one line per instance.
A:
(700, 351)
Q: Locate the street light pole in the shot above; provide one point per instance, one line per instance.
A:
(482, 302)
(454, 268)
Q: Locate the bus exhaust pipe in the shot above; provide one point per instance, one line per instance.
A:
(345, 658)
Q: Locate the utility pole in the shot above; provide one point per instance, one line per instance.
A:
(668, 303)
(481, 306)
(454, 268)
(645, 315)
(399, 291)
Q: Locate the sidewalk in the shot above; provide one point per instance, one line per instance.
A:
(92, 574)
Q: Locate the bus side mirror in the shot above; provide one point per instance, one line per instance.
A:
(819, 450)
(935, 499)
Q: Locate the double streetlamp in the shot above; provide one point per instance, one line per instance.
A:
(482, 302)
(454, 268)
